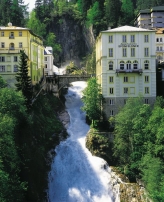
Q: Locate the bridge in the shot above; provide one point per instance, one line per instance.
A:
(64, 80)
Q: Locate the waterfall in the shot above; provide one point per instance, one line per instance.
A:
(76, 175)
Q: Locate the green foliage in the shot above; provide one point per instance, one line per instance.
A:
(51, 41)
(153, 175)
(72, 68)
(3, 83)
(93, 100)
(90, 62)
(36, 25)
(94, 14)
(112, 12)
(23, 80)
(99, 145)
(127, 13)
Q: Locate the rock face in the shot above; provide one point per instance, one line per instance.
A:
(124, 191)
(76, 41)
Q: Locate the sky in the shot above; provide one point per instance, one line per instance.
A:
(31, 4)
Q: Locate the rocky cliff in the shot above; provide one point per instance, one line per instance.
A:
(75, 39)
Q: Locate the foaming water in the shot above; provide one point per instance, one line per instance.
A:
(76, 175)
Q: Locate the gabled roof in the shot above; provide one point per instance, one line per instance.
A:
(128, 29)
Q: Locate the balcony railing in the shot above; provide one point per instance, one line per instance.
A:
(11, 37)
(129, 71)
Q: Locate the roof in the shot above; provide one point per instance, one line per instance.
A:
(145, 11)
(128, 29)
(48, 51)
(11, 27)
(160, 31)
(157, 8)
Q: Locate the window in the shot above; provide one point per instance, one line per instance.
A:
(157, 48)
(124, 38)
(2, 34)
(11, 35)
(160, 39)
(20, 33)
(157, 39)
(45, 58)
(110, 39)
(146, 79)
(146, 101)
(15, 68)
(146, 90)
(128, 64)
(45, 66)
(110, 65)
(161, 48)
(2, 45)
(8, 68)
(110, 52)
(111, 113)
(111, 79)
(125, 79)
(132, 52)
(15, 59)
(111, 102)
(132, 91)
(146, 38)
(124, 50)
(111, 90)
(20, 45)
(146, 51)
(132, 38)
(125, 90)
(2, 68)
(12, 46)
(122, 65)
(2, 58)
(146, 64)
(135, 64)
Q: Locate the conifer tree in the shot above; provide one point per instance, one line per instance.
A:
(23, 80)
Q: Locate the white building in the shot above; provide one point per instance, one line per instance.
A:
(48, 61)
(150, 18)
(126, 65)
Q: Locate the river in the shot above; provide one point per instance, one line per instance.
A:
(76, 175)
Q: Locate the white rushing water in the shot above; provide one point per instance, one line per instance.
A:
(76, 175)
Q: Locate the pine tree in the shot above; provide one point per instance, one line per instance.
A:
(23, 80)
(112, 12)
(127, 10)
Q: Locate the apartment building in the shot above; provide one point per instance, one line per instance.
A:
(126, 66)
(150, 18)
(12, 40)
(48, 61)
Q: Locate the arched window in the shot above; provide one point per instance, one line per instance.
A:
(110, 65)
(135, 64)
(122, 65)
(157, 39)
(12, 46)
(146, 64)
(128, 64)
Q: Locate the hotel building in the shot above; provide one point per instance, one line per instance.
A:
(126, 66)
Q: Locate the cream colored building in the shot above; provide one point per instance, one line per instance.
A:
(48, 61)
(12, 40)
(126, 66)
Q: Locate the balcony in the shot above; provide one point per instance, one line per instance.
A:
(11, 37)
(139, 71)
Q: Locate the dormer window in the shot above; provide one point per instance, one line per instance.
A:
(11, 35)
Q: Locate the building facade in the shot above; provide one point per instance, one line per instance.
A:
(12, 40)
(48, 61)
(150, 18)
(126, 66)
